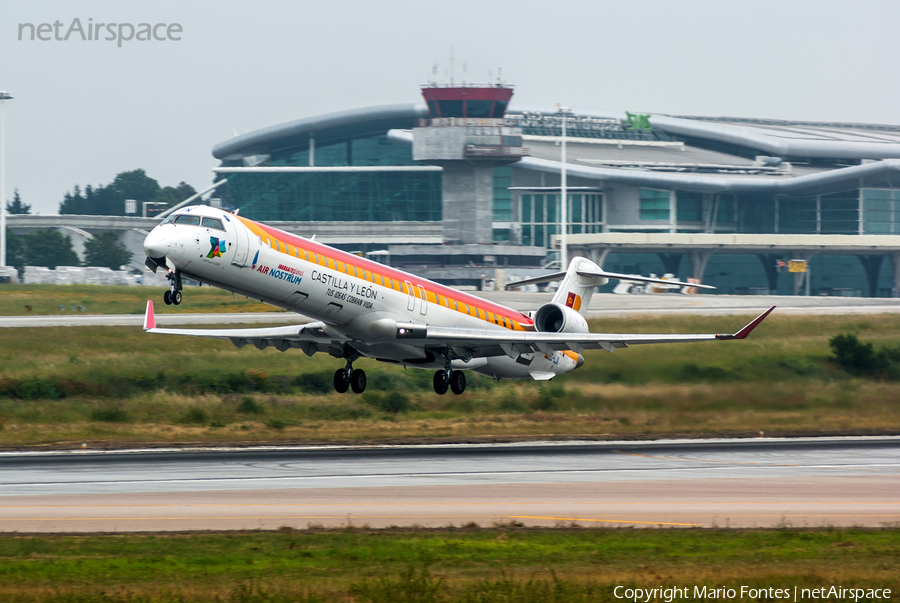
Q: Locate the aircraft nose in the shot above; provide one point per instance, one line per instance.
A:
(156, 245)
(580, 361)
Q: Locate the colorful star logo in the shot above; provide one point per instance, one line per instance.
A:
(217, 248)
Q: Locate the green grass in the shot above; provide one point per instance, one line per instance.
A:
(461, 564)
(121, 385)
(15, 300)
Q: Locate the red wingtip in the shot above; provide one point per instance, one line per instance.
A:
(149, 318)
(742, 334)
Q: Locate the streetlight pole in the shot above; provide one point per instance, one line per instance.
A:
(563, 201)
(3, 98)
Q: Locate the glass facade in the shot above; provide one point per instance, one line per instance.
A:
(655, 205)
(881, 211)
(856, 211)
(374, 150)
(540, 214)
(341, 196)
(502, 196)
(689, 207)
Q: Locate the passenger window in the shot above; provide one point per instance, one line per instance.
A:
(212, 223)
(188, 220)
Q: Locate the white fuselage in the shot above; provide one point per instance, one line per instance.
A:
(350, 294)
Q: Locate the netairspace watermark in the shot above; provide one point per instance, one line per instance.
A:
(108, 32)
(796, 594)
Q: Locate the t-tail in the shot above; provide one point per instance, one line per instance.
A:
(583, 277)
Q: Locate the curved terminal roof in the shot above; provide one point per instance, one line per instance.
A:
(328, 128)
(853, 142)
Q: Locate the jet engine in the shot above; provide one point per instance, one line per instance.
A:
(557, 318)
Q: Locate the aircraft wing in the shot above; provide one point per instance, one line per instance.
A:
(310, 337)
(469, 343)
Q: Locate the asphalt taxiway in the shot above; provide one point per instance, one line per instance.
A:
(738, 483)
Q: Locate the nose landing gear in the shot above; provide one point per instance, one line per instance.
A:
(455, 381)
(173, 295)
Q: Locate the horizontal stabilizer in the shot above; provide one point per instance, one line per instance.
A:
(558, 276)
(640, 279)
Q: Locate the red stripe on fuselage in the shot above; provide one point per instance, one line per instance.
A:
(387, 272)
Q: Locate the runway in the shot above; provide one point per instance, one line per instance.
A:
(737, 483)
(602, 305)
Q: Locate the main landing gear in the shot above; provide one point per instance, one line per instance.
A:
(455, 381)
(350, 378)
(173, 295)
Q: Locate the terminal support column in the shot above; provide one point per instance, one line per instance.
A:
(895, 264)
(699, 258)
(468, 203)
(798, 276)
(872, 266)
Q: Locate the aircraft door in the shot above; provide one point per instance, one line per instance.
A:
(424, 307)
(411, 304)
(241, 244)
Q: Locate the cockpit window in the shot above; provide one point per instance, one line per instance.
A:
(212, 223)
(188, 220)
(170, 218)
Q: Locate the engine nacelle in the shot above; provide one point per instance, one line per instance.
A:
(557, 318)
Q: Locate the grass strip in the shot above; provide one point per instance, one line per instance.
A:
(23, 300)
(108, 385)
(452, 564)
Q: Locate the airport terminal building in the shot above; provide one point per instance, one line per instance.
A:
(466, 181)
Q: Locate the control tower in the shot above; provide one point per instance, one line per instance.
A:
(468, 137)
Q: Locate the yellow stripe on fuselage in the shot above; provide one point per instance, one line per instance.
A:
(379, 274)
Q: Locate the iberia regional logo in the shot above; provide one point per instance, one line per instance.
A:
(217, 248)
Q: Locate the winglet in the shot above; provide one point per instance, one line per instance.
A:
(149, 318)
(742, 334)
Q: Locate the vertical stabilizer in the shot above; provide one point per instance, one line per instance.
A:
(576, 290)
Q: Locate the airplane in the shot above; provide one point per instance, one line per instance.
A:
(361, 308)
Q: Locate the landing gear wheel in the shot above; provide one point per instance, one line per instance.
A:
(440, 383)
(176, 297)
(167, 297)
(358, 381)
(458, 382)
(341, 382)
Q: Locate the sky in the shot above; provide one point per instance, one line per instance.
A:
(84, 111)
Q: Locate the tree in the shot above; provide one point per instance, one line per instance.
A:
(177, 194)
(109, 200)
(17, 207)
(15, 251)
(50, 248)
(137, 185)
(104, 249)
